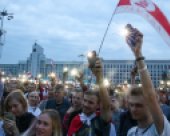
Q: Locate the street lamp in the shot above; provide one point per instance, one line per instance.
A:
(9, 16)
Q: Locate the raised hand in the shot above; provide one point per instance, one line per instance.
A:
(135, 39)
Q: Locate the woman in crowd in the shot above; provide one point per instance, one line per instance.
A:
(16, 104)
(47, 124)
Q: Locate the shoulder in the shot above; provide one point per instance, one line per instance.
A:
(50, 101)
(76, 118)
(66, 102)
(132, 131)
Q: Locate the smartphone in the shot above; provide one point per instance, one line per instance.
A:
(9, 116)
(130, 38)
(92, 59)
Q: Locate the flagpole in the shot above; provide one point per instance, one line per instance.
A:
(104, 36)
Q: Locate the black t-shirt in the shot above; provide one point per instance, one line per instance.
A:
(61, 108)
(23, 122)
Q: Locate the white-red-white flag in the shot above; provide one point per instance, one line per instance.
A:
(149, 11)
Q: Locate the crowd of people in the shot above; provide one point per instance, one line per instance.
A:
(28, 110)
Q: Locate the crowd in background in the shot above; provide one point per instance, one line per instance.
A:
(31, 109)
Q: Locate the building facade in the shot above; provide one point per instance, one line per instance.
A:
(117, 71)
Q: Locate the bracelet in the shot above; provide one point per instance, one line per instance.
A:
(140, 58)
(142, 69)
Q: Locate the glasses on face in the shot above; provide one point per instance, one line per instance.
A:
(35, 97)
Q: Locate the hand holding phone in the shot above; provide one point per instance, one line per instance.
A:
(9, 116)
(131, 36)
(92, 59)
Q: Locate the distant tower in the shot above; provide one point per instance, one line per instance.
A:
(36, 56)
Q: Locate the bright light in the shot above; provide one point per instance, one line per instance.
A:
(140, 85)
(74, 72)
(24, 76)
(66, 86)
(89, 54)
(52, 74)
(3, 73)
(125, 82)
(31, 81)
(123, 32)
(44, 82)
(128, 85)
(116, 91)
(161, 82)
(106, 83)
(161, 88)
(3, 80)
(23, 80)
(39, 75)
(65, 69)
(168, 83)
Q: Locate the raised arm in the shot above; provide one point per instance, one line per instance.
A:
(148, 88)
(105, 106)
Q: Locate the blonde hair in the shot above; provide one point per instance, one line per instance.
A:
(135, 91)
(56, 124)
(18, 96)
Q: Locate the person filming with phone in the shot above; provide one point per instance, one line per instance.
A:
(143, 101)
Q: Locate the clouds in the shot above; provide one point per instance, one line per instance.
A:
(67, 28)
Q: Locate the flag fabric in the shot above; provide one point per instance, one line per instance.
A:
(79, 120)
(149, 11)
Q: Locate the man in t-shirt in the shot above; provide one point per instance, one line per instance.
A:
(143, 101)
(89, 122)
(59, 103)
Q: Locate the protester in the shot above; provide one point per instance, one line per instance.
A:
(143, 102)
(47, 124)
(126, 120)
(115, 113)
(16, 103)
(33, 101)
(59, 103)
(75, 109)
(162, 101)
(89, 122)
(126, 123)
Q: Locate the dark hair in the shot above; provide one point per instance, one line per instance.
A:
(94, 93)
(58, 87)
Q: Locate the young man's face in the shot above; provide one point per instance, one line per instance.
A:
(138, 108)
(59, 95)
(77, 99)
(90, 104)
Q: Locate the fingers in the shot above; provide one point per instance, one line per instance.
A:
(98, 63)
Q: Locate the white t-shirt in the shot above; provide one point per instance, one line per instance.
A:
(150, 130)
(34, 110)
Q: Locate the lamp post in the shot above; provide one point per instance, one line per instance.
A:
(9, 16)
